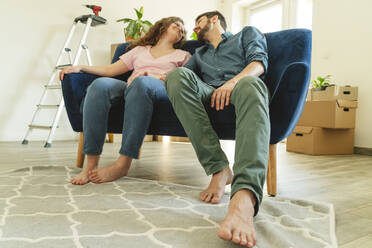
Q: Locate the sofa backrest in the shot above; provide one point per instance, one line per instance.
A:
(284, 48)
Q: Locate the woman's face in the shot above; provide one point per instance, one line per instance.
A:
(176, 31)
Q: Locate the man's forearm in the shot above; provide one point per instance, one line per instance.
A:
(255, 68)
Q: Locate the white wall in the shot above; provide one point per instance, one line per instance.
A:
(32, 35)
(342, 47)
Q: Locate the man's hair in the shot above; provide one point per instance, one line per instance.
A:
(210, 14)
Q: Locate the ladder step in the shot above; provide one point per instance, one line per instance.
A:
(63, 66)
(47, 106)
(53, 87)
(40, 127)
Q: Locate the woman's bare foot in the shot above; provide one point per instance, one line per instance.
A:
(216, 187)
(238, 224)
(83, 177)
(112, 172)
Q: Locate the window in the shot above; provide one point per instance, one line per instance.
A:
(258, 17)
(304, 14)
(272, 15)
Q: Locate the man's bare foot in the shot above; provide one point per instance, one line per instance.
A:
(216, 187)
(112, 172)
(238, 224)
(83, 177)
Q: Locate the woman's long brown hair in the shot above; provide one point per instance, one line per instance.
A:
(156, 31)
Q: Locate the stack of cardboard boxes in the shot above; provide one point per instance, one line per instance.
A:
(327, 122)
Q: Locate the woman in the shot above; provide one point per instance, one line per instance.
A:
(150, 58)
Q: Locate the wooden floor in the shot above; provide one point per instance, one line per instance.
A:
(345, 181)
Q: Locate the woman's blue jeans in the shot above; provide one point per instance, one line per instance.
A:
(139, 100)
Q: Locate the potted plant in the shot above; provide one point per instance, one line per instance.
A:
(193, 36)
(321, 83)
(135, 28)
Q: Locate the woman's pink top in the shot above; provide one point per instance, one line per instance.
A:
(140, 59)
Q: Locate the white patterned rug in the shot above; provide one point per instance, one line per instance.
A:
(39, 208)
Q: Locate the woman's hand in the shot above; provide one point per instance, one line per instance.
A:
(133, 76)
(145, 73)
(68, 70)
(162, 77)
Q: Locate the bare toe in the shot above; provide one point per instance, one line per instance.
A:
(251, 240)
(209, 197)
(236, 237)
(202, 195)
(216, 198)
(243, 239)
(224, 234)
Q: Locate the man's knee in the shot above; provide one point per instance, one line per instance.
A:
(250, 86)
(178, 79)
(178, 73)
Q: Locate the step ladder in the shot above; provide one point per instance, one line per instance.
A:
(89, 21)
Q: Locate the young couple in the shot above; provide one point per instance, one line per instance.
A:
(225, 70)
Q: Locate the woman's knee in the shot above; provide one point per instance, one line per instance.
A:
(99, 85)
(142, 83)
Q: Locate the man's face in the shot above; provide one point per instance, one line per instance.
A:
(202, 27)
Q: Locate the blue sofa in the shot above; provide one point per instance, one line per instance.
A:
(287, 79)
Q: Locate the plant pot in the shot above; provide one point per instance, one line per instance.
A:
(128, 39)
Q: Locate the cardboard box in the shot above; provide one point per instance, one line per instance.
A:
(321, 141)
(308, 96)
(329, 114)
(334, 92)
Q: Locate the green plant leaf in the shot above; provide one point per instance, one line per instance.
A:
(147, 23)
(194, 36)
(136, 27)
(321, 81)
(145, 26)
(139, 29)
(139, 14)
(130, 29)
(125, 20)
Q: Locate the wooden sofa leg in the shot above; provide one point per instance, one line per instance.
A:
(271, 171)
(111, 138)
(140, 153)
(80, 154)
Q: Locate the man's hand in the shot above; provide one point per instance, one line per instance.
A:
(221, 96)
(68, 70)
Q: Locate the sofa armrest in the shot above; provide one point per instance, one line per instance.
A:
(289, 100)
(74, 88)
(120, 50)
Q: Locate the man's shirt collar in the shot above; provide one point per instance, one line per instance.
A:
(225, 35)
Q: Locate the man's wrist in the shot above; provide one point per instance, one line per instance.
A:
(234, 80)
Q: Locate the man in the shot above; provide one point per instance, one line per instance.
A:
(226, 70)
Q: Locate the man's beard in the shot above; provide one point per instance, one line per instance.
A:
(204, 31)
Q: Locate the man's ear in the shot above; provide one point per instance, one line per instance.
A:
(214, 19)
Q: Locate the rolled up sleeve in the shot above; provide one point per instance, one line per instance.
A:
(255, 46)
